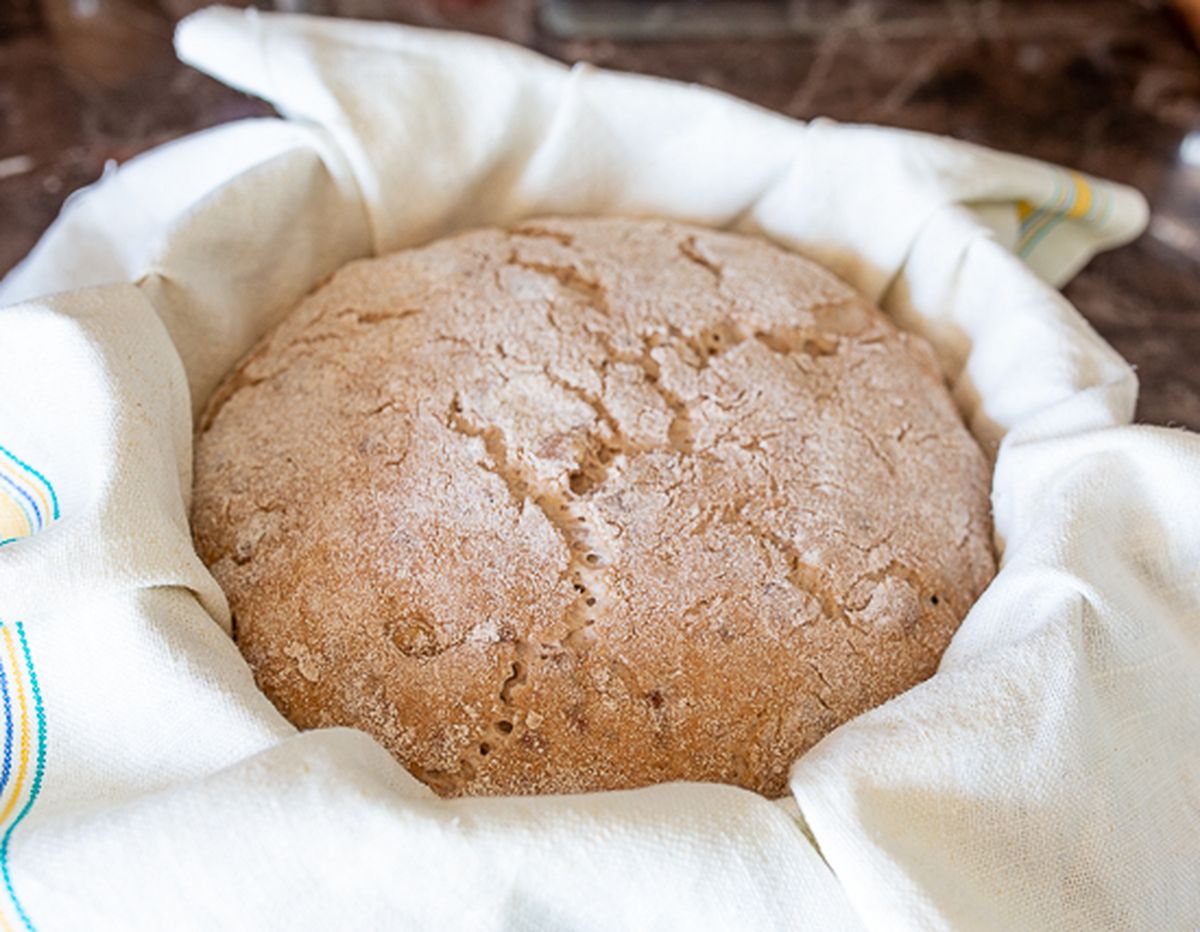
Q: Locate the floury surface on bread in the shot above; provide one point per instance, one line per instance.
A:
(590, 504)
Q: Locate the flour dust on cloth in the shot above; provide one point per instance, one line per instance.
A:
(1047, 777)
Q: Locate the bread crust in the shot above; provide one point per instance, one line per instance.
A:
(590, 504)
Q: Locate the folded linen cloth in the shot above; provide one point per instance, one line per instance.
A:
(1048, 776)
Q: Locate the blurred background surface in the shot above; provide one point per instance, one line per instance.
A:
(1110, 87)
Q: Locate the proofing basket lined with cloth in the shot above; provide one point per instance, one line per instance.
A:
(1048, 776)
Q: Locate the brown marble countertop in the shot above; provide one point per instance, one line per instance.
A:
(1111, 87)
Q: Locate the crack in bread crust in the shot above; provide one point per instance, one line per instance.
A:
(589, 504)
(568, 515)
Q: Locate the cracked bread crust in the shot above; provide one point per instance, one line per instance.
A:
(590, 504)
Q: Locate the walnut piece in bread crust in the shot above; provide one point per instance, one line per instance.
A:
(590, 504)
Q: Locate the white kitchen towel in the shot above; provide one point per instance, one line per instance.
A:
(1047, 777)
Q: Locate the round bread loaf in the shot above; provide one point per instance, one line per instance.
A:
(590, 504)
